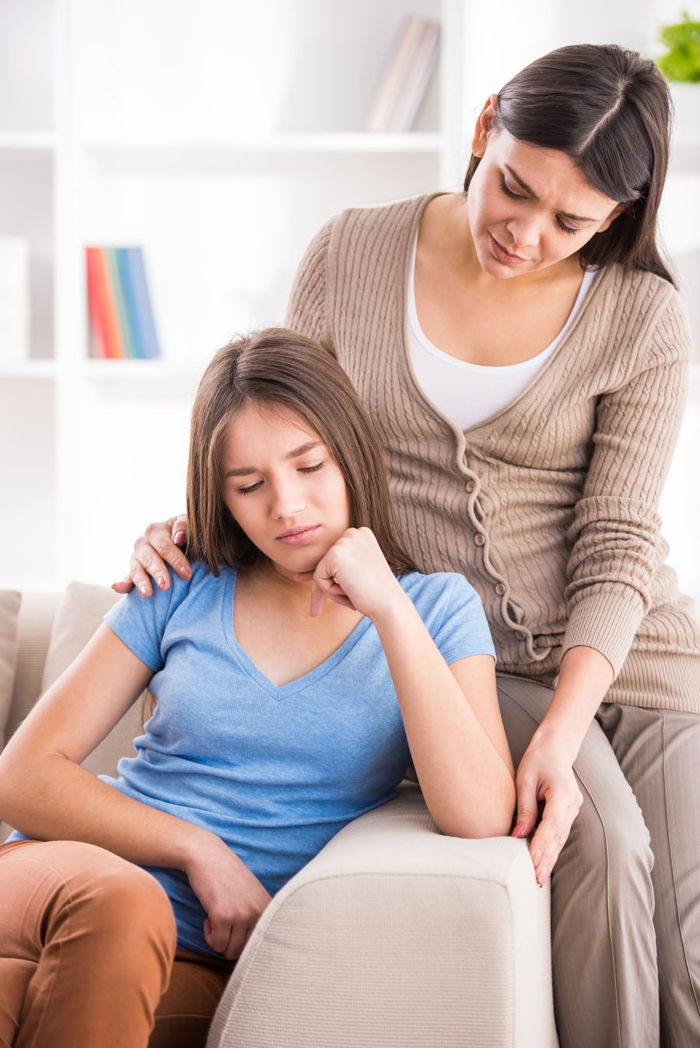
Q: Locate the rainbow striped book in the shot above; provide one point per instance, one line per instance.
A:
(122, 323)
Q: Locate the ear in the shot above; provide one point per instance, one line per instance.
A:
(484, 125)
(617, 210)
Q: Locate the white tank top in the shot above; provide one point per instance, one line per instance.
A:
(468, 394)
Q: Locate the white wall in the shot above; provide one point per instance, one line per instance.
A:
(194, 75)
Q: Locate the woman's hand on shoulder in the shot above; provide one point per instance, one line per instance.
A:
(354, 572)
(231, 895)
(157, 547)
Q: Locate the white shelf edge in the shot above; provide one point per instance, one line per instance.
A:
(29, 369)
(160, 369)
(165, 369)
(27, 140)
(319, 142)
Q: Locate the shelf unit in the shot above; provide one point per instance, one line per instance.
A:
(220, 140)
(222, 151)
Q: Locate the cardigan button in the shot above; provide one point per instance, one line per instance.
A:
(479, 539)
(500, 589)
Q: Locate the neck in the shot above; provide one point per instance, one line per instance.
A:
(282, 583)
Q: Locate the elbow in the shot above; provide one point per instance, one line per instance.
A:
(7, 782)
(18, 785)
(476, 830)
(492, 819)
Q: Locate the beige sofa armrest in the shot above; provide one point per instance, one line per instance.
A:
(35, 619)
(395, 936)
(36, 616)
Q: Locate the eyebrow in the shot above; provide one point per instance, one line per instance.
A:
(525, 186)
(247, 470)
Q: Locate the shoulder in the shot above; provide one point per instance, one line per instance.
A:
(385, 219)
(440, 591)
(352, 249)
(142, 623)
(638, 295)
(355, 222)
(163, 604)
(642, 312)
(452, 612)
(201, 585)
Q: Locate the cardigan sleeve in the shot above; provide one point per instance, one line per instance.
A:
(307, 308)
(614, 537)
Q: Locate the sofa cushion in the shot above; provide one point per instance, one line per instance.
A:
(78, 615)
(10, 602)
(36, 615)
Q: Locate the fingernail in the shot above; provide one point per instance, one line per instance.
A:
(179, 537)
(144, 590)
(161, 582)
(518, 831)
(185, 571)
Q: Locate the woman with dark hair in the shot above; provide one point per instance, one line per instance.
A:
(299, 588)
(523, 351)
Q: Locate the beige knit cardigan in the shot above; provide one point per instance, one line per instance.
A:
(549, 507)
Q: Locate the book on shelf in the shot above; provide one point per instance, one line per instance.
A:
(122, 323)
(407, 76)
(14, 299)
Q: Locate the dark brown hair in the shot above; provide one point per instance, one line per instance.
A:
(277, 367)
(609, 109)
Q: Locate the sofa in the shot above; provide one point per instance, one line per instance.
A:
(394, 936)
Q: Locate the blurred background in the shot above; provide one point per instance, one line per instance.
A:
(215, 138)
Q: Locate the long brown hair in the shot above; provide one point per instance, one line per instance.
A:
(609, 109)
(282, 368)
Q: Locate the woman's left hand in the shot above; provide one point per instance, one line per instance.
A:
(546, 776)
(354, 573)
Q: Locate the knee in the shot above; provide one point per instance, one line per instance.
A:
(614, 841)
(131, 902)
(123, 906)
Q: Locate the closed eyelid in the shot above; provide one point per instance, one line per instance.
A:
(311, 468)
(516, 196)
(524, 186)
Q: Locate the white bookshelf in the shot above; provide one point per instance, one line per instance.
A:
(220, 138)
(315, 142)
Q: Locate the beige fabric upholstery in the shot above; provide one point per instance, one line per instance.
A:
(9, 616)
(77, 616)
(35, 620)
(400, 937)
(34, 629)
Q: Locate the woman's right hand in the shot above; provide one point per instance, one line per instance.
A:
(158, 546)
(232, 897)
(545, 778)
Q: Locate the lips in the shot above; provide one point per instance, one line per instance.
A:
(297, 536)
(505, 256)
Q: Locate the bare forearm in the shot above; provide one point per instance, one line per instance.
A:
(467, 786)
(584, 678)
(59, 800)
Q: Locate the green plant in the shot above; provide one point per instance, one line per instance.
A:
(682, 62)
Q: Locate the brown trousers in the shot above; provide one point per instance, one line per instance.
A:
(626, 888)
(88, 958)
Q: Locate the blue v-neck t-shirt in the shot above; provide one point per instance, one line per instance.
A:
(274, 771)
